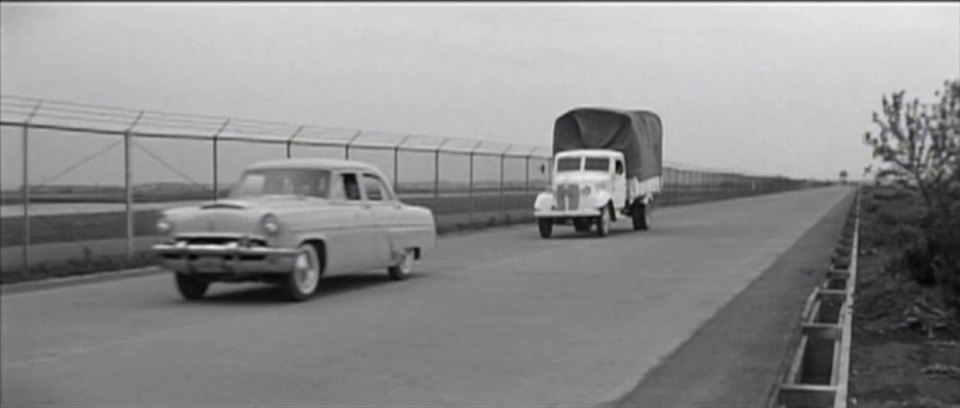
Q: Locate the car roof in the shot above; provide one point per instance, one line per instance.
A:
(314, 163)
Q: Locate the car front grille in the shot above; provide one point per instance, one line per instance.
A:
(568, 197)
(240, 241)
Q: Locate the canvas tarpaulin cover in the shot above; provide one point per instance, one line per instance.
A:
(637, 134)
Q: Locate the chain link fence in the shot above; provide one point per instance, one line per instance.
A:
(82, 185)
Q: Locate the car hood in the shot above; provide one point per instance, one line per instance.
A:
(237, 216)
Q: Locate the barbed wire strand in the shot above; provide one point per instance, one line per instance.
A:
(78, 164)
(170, 166)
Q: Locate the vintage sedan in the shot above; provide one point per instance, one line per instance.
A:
(292, 222)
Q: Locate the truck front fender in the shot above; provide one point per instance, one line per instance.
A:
(545, 201)
(602, 198)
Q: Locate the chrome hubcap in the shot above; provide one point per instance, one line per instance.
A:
(406, 263)
(306, 272)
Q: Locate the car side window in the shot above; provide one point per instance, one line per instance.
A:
(372, 188)
(351, 188)
(619, 167)
(375, 188)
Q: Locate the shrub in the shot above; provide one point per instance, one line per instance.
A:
(919, 147)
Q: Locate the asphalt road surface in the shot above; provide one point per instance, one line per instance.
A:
(499, 317)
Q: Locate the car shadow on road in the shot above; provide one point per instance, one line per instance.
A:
(329, 286)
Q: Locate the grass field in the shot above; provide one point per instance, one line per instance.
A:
(906, 341)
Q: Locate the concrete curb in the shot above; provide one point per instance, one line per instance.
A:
(77, 280)
(818, 373)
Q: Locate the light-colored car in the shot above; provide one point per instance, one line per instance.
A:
(291, 222)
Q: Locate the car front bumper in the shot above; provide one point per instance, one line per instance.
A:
(213, 259)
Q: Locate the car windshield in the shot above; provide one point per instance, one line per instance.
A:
(298, 182)
(568, 164)
(596, 164)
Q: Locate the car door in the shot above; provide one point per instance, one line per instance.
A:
(349, 241)
(385, 210)
(619, 183)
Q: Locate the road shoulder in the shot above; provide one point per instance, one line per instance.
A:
(736, 358)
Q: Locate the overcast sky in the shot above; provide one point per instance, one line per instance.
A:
(784, 89)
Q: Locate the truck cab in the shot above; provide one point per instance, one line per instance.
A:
(589, 188)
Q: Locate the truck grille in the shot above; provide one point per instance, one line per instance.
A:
(568, 197)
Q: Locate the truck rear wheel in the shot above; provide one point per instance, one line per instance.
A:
(641, 217)
(546, 227)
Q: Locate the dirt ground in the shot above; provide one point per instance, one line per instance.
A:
(906, 342)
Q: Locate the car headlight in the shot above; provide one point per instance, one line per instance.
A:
(585, 190)
(270, 224)
(164, 226)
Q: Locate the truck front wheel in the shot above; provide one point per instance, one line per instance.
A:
(641, 217)
(546, 227)
(603, 222)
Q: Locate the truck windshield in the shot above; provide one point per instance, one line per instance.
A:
(301, 182)
(568, 164)
(597, 164)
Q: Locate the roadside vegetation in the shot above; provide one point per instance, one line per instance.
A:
(906, 342)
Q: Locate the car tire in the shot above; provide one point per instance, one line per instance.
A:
(303, 282)
(603, 222)
(191, 288)
(404, 266)
(641, 217)
(546, 227)
(581, 225)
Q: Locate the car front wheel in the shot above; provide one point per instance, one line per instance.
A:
(302, 283)
(191, 288)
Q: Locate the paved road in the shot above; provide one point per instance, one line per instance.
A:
(495, 318)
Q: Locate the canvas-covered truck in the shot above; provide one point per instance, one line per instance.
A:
(607, 164)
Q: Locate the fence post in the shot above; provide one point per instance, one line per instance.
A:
(436, 177)
(470, 186)
(216, 165)
(526, 176)
(503, 208)
(128, 186)
(26, 188)
(396, 165)
(290, 140)
(346, 147)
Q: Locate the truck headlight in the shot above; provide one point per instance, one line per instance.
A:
(270, 224)
(164, 226)
(585, 190)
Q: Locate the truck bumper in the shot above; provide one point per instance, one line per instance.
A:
(566, 214)
(218, 259)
